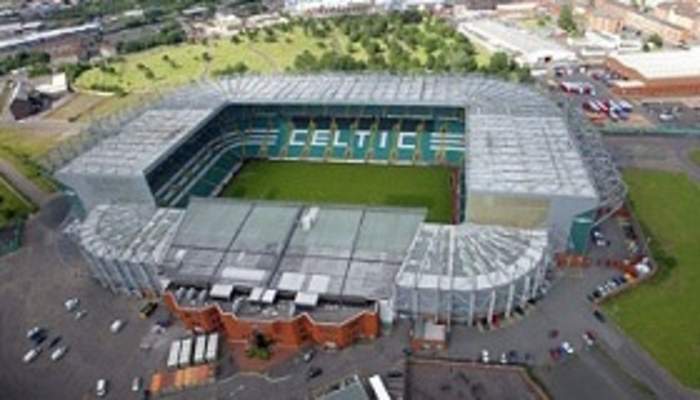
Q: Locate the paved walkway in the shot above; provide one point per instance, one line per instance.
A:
(23, 184)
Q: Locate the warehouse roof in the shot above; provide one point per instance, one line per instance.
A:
(663, 64)
(46, 35)
(514, 40)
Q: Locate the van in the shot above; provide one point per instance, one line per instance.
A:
(101, 389)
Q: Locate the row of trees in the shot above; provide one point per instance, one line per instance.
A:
(171, 33)
(33, 60)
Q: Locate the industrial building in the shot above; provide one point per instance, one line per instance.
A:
(660, 73)
(524, 47)
(533, 181)
(73, 42)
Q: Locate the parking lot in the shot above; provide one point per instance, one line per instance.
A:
(34, 283)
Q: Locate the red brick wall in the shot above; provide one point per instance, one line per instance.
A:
(293, 332)
(656, 87)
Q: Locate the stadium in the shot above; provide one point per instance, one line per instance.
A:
(528, 180)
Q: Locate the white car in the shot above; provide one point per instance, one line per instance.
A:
(101, 389)
(80, 314)
(136, 384)
(504, 358)
(33, 332)
(59, 353)
(71, 304)
(567, 347)
(116, 326)
(31, 355)
(484, 356)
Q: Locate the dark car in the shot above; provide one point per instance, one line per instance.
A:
(313, 372)
(599, 316)
(394, 374)
(54, 341)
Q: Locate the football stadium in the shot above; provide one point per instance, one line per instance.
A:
(527, 180)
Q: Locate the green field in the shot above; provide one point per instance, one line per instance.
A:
(662, 314)
(11, 204)
(695, 156)
(179, 64)
(22, 145)
(346, 184)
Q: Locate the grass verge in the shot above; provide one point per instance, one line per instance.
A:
(662, 313)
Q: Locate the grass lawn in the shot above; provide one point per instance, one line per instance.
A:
(695, 156)
(662, 315)
(21, 146)
(259, 56)
(11, 204)
(346, 184)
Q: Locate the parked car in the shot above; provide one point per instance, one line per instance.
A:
(504, 358)
(54, 341)
(555, 353)
(588, 338)
(136, 384)
(308, 356)
(71, 304)
(485, 356)
(566, 346)
(34, 332)
(599, 316)
(31, 355)
(116, 326)
(313, 372)
(59, 353)
(148, 309)
(101, 388)
(394, 374)
(80, 314)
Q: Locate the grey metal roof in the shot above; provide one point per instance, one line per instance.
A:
(471, 257)
(140, 142)
(524, 155)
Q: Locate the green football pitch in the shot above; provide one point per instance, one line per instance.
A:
(662, 313)
(374, 185)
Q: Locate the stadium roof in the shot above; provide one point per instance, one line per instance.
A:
(140, 142)
(522, 133)
(664, 64)
(471, 257)
(253, 244)
(525, 155)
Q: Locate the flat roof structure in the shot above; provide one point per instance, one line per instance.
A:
(261, 246)
(525, 155)
(528, 48)
(140, 143)
(663, 64)
(47, 35)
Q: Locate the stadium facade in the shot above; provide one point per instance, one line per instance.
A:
(533, 180)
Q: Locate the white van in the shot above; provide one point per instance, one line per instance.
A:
(101, 389)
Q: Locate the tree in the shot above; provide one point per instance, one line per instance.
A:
(499, 63)
(566, 19)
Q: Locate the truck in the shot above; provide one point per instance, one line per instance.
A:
(174, 354)
(213, 347)
(185, 357)
(199, 349)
